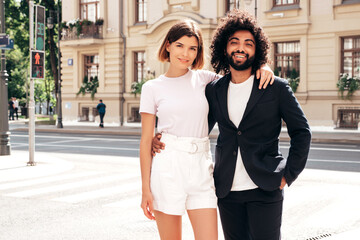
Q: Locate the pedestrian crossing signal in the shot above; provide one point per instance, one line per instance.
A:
(37, 64)
(40, 28)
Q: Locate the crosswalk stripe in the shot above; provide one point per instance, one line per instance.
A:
(67, 186)
(45, 180)
(85, 196)
(135, 148)
(128, 202)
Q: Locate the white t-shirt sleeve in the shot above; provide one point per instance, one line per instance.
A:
(147, 100)
(208, 76)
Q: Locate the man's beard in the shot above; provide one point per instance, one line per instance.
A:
(240, 67)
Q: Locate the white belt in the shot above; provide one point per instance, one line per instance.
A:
(186, 144)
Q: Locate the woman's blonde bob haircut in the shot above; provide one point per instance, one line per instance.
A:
(183, 28)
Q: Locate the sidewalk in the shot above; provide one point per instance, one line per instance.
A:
(349, 235)
(320, 134)
(11, 166)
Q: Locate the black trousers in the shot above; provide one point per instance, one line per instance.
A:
(11, 114)
(251, 215)
(16, 113)
(102, 118)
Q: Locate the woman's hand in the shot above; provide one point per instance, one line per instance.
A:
(266, 76)
(147, 205)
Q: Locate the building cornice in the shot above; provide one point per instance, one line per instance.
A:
(203, 22)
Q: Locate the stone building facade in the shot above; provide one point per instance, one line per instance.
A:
(314, 41)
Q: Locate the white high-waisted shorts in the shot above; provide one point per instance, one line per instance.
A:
(182, 175)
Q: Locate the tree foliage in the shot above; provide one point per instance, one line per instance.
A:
(17, 62)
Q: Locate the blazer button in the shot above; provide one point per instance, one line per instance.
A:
(234, 153)
(239, 133)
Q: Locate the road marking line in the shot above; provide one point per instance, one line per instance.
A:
(26, 183)
(334, 161)
(335, 149)
(328, 149)
(66, 141)
(80, 138)
(128, 202)
(71, 185)
(85, 146)
(81, 197)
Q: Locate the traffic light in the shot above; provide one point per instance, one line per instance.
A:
(37, 64)
(40, 28)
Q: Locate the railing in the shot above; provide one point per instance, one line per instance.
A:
(91, 31)
(348, 118)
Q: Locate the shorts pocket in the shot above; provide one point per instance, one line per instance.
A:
(162, 162)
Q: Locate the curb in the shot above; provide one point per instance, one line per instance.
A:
(99, 132)
(317, 137)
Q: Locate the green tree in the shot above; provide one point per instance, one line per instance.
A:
(17, 60)
(17, 70)
(39, 95)
(17, 27)
(48, 90)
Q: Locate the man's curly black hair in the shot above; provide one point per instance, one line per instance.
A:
(236, 20)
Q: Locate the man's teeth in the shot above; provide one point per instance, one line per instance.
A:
(239, 56)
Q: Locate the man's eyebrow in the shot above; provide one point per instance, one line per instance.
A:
(247, 40)
(233, 38)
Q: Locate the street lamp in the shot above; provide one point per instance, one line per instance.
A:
(4, 124)
(50, 25)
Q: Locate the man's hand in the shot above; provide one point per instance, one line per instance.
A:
(267, 76)
(283, 183)
(157, 146)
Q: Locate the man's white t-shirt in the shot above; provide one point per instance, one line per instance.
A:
(179, 103)
(238, 97)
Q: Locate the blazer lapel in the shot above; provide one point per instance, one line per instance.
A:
(255, 95)
(222, 98)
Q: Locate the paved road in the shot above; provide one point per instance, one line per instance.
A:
(339, 157)
(92, 191)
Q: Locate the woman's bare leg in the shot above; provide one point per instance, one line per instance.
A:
(204, 223)
(169, 226)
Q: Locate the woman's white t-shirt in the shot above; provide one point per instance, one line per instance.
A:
(179, 103)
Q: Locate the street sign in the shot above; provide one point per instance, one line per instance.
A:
(9, 46)
(37, 64)
(4, 40)
(40, 28)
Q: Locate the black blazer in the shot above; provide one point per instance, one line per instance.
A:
(258, 135)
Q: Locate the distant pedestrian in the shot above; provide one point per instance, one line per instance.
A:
(11, 109)
(101, 107)
(16, 107)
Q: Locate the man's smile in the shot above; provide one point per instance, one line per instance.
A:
(239, 56)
